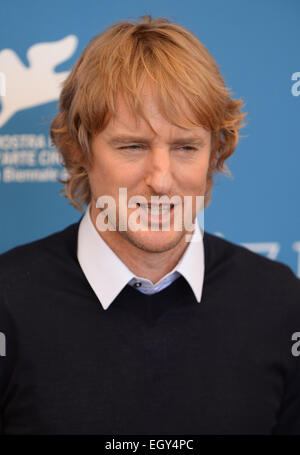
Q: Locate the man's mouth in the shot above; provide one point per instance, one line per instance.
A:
(156, 209)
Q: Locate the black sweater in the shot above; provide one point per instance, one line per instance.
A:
(158, 364)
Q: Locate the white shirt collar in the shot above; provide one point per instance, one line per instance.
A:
(108, 275)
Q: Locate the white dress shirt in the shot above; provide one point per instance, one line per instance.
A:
(108, 275)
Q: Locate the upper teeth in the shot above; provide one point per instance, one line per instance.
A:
(156, 209)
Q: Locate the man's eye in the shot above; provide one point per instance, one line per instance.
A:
(188, 148)
(132, 147)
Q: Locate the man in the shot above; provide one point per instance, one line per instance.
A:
(146, 327)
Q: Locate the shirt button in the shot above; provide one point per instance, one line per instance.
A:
(137, 284)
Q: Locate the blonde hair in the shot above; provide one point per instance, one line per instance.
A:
(119, 60)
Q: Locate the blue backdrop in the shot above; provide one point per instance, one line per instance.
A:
(255, 42)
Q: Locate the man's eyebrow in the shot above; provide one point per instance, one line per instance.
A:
(124, 138)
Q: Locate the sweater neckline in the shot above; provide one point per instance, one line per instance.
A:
(178, 294)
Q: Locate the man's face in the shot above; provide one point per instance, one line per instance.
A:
(170, 162)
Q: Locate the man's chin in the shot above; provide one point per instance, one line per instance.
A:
(154, 241)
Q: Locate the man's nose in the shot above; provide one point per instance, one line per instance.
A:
(159, 175)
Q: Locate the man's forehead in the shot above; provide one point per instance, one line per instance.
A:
(124, 132)
(125, 122)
